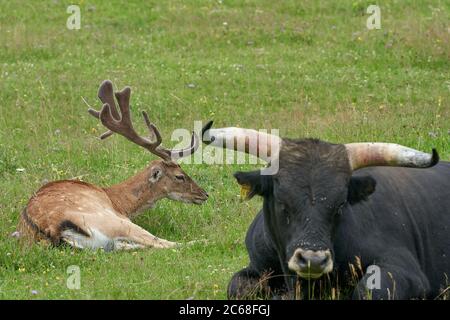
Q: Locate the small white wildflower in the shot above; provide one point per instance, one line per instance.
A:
(15, 234)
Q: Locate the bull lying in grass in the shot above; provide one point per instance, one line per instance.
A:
(331, 205)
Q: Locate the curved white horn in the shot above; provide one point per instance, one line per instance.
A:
(366, 154)
(260, 144)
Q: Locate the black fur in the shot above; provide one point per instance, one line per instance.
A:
(67, 224)
(396, 218)
(360, 188)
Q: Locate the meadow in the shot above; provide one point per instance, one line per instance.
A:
(308, 68)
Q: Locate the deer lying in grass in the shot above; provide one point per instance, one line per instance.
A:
(86, 216)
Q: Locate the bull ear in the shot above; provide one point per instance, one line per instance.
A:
(360, 188)
(254, 183)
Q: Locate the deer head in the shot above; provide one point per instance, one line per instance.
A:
(163, 177)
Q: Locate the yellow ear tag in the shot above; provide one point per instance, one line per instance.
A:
(245, 191)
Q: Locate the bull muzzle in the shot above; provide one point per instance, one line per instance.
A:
(311, 264)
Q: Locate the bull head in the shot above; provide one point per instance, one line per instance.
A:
(304, 200)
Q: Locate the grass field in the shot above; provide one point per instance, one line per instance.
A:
(309, 68)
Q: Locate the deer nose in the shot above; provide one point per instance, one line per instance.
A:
(203, 194)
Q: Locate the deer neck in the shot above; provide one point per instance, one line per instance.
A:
(134, 194)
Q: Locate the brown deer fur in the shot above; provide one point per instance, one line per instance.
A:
(86, 216)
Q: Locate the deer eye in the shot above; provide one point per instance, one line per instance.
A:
(180, 177)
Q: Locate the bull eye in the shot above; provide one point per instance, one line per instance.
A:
(340, 208)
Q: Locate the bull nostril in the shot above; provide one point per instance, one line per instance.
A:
(312, 260)
(324, 262)
(301, 261)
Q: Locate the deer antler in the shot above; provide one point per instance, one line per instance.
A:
(121, 123)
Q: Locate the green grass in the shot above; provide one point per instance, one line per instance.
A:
(309, 68)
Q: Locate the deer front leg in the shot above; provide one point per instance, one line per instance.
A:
(110, 233)
(133, 236)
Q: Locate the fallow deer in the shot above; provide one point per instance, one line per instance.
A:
(87, 216)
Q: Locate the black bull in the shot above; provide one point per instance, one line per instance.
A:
(395, 218)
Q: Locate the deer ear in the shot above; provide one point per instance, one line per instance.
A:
(155, 174)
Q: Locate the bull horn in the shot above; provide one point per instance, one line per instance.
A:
(366, 154)
(260, 144)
